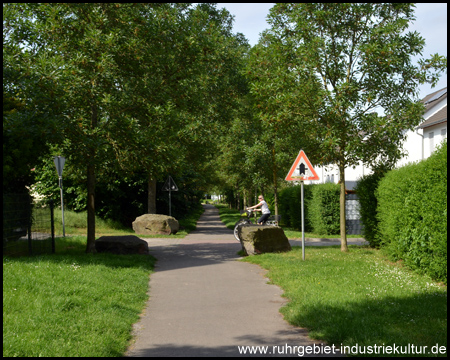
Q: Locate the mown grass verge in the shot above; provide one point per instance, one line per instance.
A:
(72, 304)
(359, 298)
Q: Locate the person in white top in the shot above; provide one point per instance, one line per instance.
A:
(264, 209)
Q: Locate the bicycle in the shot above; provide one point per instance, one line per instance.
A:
(251, 214)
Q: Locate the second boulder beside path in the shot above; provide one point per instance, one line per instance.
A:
(155, 224)
(121, 245)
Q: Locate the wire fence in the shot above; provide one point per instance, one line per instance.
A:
(28, 228)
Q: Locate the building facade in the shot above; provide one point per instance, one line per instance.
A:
(419, 143)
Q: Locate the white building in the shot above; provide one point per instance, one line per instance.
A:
(419, 144)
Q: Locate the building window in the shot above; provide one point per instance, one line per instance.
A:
(444, 133)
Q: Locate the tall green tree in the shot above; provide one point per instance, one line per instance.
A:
(187, 88)
(235, 164)
(69, 54)
(282, 122)
(28, 116)
(134, 85)
(362, 57)
(22, 143)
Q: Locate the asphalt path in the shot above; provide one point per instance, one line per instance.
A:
(203, 302)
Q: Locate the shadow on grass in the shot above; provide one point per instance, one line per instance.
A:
(72, 250)
(419, 320)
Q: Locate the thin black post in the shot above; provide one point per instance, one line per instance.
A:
(30, 250)
(52, 221)
(170, 203)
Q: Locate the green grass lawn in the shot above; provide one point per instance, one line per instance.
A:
(77, 304)
(72, 303)
(358, 298)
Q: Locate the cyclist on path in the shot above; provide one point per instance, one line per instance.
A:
(264, 209)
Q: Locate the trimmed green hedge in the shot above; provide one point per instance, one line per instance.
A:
(290, 206)
(412, 214)
(365, 188)
(324, 209)
(321, 208)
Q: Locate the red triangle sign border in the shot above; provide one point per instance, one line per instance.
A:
(301, 155)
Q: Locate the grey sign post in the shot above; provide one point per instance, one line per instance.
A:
(170, 186)
(59, 163)
(303, 221)
(302, 170)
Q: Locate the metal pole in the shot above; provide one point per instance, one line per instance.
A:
(30, 250)
(170, 202)
(303, 224)
(62, 205)
(52, 222)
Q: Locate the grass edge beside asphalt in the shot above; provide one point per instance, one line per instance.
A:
(76, 304)
(359, 299)
(71, 303)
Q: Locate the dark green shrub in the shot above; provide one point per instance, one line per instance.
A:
(17, 216)
(412, 214)
(321, 208)
(289, 206)
(365, 188)
(324, 210)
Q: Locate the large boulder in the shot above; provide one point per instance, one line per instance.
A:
(259, 239)
(121, 245)
(153, 224)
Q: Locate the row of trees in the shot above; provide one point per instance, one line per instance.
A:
(337, 80)
(124, 89)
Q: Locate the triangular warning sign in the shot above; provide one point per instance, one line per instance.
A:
(302, 169)
(170, 185)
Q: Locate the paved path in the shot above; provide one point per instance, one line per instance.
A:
(205, 303)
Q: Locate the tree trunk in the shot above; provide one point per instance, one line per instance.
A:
(90, 246)
(275, 182)
(151, 195)
(344, 247)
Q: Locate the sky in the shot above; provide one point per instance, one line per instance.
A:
(431, 23)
